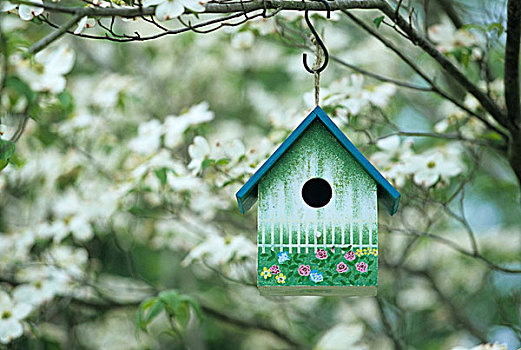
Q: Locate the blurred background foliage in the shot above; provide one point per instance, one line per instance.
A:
(117, 212)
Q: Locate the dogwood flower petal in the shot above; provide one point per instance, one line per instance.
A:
(27, 12)
(169, 9)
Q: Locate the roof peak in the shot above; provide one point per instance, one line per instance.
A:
(247, 194)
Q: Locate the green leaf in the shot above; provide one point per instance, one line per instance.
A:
(194, 304)
(161, 175)
(207, 163)
(6, 151)
(154, 310)
(66, 101)
(496, 26)
(182, 314)
(171, 300)
(223, 161)
(20, 87)
(378, 21)
(140, 314)
(3, 164)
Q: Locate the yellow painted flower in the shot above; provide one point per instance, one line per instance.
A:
(281, 278)
(265, 273)
(359, 252)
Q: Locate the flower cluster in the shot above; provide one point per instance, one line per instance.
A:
(364, 251)
(273, 271)
(398, 162)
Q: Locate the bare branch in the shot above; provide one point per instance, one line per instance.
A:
(425, 77)
(512, 62)
(449, 9)
(455, 310)
(398, 344)
(381, 77)
(455, 137)
(455, 247)
(486, 101)
(129, 38)
(213, 7)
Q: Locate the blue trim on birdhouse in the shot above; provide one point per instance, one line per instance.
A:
(387, 194)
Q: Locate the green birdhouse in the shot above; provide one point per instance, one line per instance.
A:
(317, 214)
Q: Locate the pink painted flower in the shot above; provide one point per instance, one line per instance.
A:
(304, 270)
(350, 255)
(342, 267)
(361, 266)
(275, 269)
(321, 254)
(332, 249)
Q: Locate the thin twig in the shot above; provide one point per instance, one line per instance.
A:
(381, 77)
(455, 247)
(420, 72)
(488, 104)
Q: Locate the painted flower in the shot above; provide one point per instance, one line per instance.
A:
(281, 278)
(332, 249)
(374, 252)
(361, 266)
(274, 269)
(342, 267)
(265, 273)
(350, 255)
(359, 252)
(316, 276)
(321, 254)
(282, 256)
(304, 270)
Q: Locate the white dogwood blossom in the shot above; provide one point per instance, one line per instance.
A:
(12, 314)
(26, 12)
(441, 163)
(48, 70)
(170, 9)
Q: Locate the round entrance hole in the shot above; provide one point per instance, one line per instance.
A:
(316, 192)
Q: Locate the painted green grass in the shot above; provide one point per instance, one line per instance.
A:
(328, 267)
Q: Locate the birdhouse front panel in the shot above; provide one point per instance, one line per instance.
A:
(317, 220)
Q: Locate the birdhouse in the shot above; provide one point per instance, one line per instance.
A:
(317, 214)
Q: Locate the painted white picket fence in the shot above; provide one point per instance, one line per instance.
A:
(310, 236)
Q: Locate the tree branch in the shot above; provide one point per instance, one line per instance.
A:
(456, 137)
(454, 246)
(214, 7)
(422, 74)
(451, 12)
(455, 310)
(110, 305)
(511, 73)
(49, 39)
(252, 325)
(486, 101)
(512, 62)
(398, 344)
(381, 77)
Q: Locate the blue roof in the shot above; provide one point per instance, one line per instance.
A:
(386, 193)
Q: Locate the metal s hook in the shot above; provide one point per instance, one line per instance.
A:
(319, 41)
